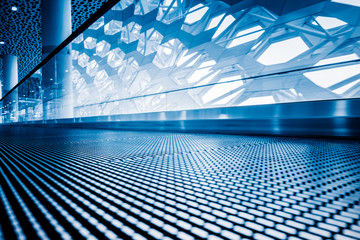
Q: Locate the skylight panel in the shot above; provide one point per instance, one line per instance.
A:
(214, 22)
(227, 99)
(219, 90)
(199, 74)
(329, 22)
(232, 78)
(228, 20)
(196, 15)
(355, 3)
(329, 77)
(284, 51)
(207, 63)
(258, 101)
(344, 58)
(343, 89)
(185, 57)
(256, 32)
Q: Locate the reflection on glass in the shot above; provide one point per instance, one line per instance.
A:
(152, 55)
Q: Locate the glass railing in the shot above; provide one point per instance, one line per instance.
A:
(151, 56)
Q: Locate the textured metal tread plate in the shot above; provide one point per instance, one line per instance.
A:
(101, 184)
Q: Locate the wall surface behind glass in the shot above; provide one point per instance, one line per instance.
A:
(153, 55)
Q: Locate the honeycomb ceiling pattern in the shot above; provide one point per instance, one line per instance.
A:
(166, 55)
(162, 56)
(21, 29)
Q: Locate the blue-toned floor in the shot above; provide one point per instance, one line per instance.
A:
(99, 184)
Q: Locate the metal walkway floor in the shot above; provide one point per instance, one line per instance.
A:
(100, 184)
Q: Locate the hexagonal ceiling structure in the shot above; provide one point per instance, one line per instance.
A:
(176, 55)
(172, 55)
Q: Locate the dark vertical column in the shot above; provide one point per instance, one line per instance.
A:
(56, 74)
(10, 79)
(1, 103)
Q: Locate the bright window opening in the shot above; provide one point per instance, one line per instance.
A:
(207, 79)
(99, 23)
(227, 79)
(258, 101)
(115, 58)
(255, 46)
(193, 61)
(227, 99)
(83, 60)
(329, 22)
(199, 74)
(328, 77)
(200, 5)
(78, 39)
(102, 48)
(112, 27)
(214, 22)
(184, 58)
(284, 51)
(90, 43)
(228, 20)
(343, 89)
(247, 35)
(195, 16)
(219, 90)
(355, 3)
(207, 64)
(344, 58)
(168, 3)
(293, 91)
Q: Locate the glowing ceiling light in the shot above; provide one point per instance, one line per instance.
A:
(14, 8)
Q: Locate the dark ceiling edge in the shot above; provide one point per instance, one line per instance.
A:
(105, 8)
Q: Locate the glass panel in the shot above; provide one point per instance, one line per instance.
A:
(150, 55)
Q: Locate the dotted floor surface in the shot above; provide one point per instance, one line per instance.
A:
(101, 184)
